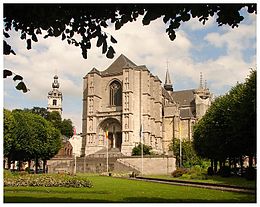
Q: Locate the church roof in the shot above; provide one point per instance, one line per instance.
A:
(184, 98)
(94, 70)
(166, 95)
(118, 65)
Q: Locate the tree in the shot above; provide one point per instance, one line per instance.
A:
(80, 23)
(52, 144)
(55, 118)
(146, 150)
(39, 111)
(189, 156)
(67, 128)
(9, 124)
(33, 137)
(228, 129)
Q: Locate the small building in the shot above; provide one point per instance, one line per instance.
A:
(66, 149)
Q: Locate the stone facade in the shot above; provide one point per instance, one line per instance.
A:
(126, 99)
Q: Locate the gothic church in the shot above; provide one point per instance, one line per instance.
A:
(129, 102)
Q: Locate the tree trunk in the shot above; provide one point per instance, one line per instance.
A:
(36, 165)
(44, 165)
(250, 161)
(9, 162)
(235, 164)
(241, 164)
(215, 166)
(29, 164)
(19, 165)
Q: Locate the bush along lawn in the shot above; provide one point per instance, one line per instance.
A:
(46, 180)
(197, 174)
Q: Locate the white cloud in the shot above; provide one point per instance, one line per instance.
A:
(195, 24)
(144, 45)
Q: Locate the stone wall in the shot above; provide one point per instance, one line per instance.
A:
(151, 165)
(162, 165)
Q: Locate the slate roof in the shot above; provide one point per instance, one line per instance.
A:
(184, 98)
(118, 65)
(166, 94)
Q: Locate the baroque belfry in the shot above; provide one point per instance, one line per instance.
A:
(55, 97)
(125, 98)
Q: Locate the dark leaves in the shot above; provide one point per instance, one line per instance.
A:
(118, 25)
(110, 53)
(172, 35)
(34, 38)
(17, 77)
(7, 49)
(84, 54)
(104, 48)
(6, 35)
(22, 86)
(23, 36)
(100, 41)
(63, 36)
(29, 44)
(103, 24)
(7, 73)
(38, 31)
(88, 20)
(112, 39)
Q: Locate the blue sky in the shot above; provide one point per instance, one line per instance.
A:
(224, 56)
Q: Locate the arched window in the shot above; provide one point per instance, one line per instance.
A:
(54, 103)
(115, 94)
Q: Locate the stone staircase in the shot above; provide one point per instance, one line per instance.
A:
(112, 152)
(97, 163)
(159, 165)
(124, 166)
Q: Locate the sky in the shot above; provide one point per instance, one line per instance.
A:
(223, 55)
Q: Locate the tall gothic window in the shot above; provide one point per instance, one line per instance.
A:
(115, 94)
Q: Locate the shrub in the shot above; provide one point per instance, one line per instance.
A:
(224, 171)
(146, 150)
(179, 172)
(250, 173)
(210, 171)
(196, 172)
(47, 181)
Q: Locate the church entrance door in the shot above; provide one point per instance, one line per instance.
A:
(118, 140)
(114, 129)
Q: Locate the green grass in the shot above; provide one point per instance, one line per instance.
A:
(236, 181)
(109, 189)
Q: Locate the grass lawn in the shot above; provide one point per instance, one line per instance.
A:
(236, 181)
(109, 189)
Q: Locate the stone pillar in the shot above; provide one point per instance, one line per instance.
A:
(114, 140)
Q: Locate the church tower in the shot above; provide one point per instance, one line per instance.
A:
(55, 97)
(202, 99)
(168, 84)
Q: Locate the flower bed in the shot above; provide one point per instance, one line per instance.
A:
(46, 180)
